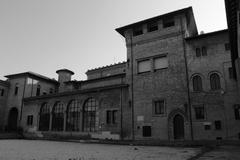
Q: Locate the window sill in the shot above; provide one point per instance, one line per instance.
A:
(159, 115)
(200, 120)
(140, 73)
(157, 70)
(198, 91)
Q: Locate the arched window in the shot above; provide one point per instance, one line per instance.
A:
(57, 117)
(44, 117)
(90, 115)
(215, 81)
(73, 116)
(197, 83)
(38, 90)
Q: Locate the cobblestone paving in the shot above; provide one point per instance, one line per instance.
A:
(50, 150)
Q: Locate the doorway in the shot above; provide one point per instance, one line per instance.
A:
(12, 119)
(178, 127)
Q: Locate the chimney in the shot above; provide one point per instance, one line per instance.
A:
(64, 75)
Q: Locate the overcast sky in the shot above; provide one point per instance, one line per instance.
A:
(46, 35)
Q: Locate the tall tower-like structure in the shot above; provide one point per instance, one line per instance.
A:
(157, 73)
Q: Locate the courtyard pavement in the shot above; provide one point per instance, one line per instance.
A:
(51, 150)
(222, 153)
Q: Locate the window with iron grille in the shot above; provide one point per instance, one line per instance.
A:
(152, 27)
(73, 116)
(89, 115)
(147, 131)
(58, 117)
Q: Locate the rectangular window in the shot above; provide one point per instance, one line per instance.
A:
(114, 116)
(168, 22)
(199, 112)
(237, 111)
(207, 127)
(230, 71)
(144, 66)
(137, 31)
(29, 120)
(204, 51)
(147, 131)
(111, 116)
(159, 107)
(227, 46)
(198, 52)
(51, 91)
(152, 27)
(16, 90)
(2, 92)
(218, 125)
(38, 92)
(160, 63)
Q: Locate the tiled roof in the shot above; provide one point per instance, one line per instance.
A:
(107, 66)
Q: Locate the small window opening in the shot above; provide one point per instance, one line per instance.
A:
(137, 31)
(168, 23)
(152, 27)
(147, 131)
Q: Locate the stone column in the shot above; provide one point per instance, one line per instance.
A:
(65, 121)
(50, 122)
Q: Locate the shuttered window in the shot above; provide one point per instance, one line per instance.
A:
(144, 66)
(160, 63)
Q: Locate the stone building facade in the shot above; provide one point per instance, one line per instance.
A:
(176, 84)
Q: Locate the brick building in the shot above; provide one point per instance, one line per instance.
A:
(176, 84)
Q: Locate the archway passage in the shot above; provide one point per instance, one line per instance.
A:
(12, 119)
(178, 127)
(90, 115)
(44, 118)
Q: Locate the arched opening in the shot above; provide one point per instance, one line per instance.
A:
(178, 127)
(73, 116)
(90, 115)
(58, 117)
(12, 119)
(197, 83)
(215, 81)
(44, 117)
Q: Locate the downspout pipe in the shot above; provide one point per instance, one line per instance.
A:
(25, 82)
(187, 80)
(132, 94)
